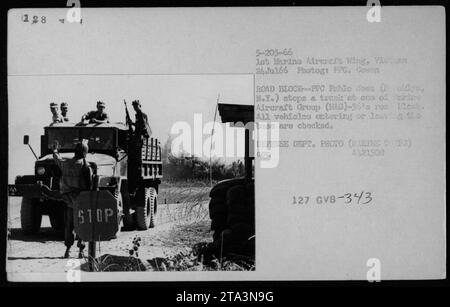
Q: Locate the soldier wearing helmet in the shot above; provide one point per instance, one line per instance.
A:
(142, 128)
(75, 177)
(96, 117)
(56, 116)
(64, 110)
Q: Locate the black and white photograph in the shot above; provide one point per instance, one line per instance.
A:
(99, 178)
(213, 144)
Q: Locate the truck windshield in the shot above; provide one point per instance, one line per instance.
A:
(98, 138)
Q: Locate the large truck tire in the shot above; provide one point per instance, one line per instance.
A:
(30, 216)
(232, 213)
(238, 218)
(218, 214)
(217, 208)
(239, 205)
(220, 190)
(241, 219)
(146, 213)
(242, 231)
(154, 209)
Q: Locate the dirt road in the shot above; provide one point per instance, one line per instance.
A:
(179, 227)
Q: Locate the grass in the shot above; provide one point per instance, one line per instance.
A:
(186, 204)
(190, 262)
(113, 263)
(188, 210)
(172, 194)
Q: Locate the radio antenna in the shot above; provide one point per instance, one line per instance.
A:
(212, 134)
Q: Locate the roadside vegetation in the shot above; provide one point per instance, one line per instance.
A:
(193, 170)
(187, 211)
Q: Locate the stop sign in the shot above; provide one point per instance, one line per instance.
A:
(96, 216)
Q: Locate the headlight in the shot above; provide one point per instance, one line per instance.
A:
(40, 170)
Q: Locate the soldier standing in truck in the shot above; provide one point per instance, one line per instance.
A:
(142, 128)
(64, 110)
(56, 116)
(75, 177)
(136, 139)
(96, 117)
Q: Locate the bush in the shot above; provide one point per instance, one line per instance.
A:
(185, 167)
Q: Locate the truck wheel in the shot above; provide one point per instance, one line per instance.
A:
(218, 213)
(153, 216)
(30, 216)
(56, 217)
(217, 207)
(145, 215)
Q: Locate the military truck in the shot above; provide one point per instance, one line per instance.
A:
(108, 158)
(232, 203)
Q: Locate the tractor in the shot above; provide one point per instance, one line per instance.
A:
(108, 158)
(232, 201)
